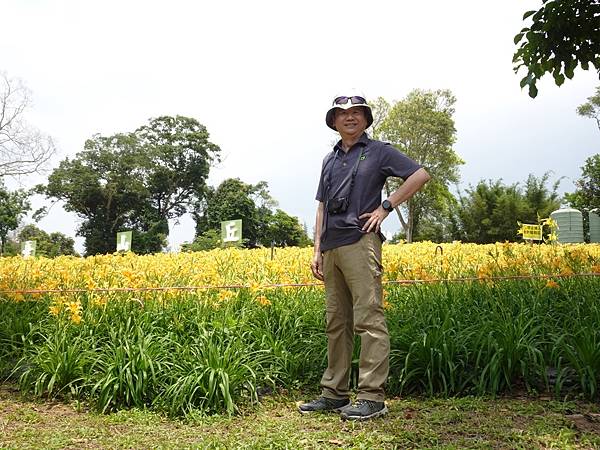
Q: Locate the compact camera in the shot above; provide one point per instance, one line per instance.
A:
(337, 205)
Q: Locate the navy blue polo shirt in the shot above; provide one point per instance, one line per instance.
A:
(379, 160)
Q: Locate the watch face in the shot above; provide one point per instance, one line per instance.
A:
(387, 205)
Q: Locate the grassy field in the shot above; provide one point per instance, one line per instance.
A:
(143, 365)
(467, 422)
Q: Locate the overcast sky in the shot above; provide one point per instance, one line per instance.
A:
(261, 75)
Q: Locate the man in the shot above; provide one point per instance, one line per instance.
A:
(347, 256)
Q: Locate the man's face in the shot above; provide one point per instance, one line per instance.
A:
(351, 120)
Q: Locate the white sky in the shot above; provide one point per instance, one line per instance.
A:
(260, 76)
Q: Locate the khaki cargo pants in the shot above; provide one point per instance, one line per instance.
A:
(355, 306)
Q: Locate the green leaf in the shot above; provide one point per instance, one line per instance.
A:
(533, 92)
(518, 37)
(528, 13)
(524, 81)
(570, 68)
(559, 78)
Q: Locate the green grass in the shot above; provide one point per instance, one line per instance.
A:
(454, 423)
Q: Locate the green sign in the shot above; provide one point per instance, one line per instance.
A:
(231, 231)
(28, 248)
(124, 241)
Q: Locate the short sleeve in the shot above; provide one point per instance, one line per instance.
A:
(394, 163)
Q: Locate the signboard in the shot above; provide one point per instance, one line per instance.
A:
(231, 230)
(532, 232)
(124, 241)
(28, 248)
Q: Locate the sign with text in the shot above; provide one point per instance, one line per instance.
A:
(532, 232)
(124, 239)
(231, 230)
(28, 248)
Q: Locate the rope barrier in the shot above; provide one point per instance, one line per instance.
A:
(284, 285)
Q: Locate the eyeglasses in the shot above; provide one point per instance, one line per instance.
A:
(355, 100)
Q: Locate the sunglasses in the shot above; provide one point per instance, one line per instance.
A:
(355, 100)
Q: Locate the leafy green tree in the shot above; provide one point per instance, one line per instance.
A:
(206, 241)
(103, 187)
(563, 34)
(135, 181)
(489, 212)
(422, 127)
(234, 199)
(231, 200)
(284, 230)
(49, 245)
(591, 108)
(587, 194)
(540, 199)
(13, 206)
(178, 159)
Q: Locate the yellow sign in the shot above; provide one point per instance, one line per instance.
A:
(533, 232)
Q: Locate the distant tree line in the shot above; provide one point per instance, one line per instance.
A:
(49, 245)
(142, 179)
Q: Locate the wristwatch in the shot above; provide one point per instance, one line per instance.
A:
(387, 205)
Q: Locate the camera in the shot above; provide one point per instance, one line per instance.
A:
(337, 205)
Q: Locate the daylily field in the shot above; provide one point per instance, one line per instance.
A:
(210, 331)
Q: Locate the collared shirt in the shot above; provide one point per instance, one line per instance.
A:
(379, 160)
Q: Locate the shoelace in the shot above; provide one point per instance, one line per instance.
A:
(359, 403)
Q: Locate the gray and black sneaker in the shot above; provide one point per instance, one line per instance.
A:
(364, 410)
(323, 404)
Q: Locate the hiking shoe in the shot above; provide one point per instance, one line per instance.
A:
(323, 404)
(364, 410)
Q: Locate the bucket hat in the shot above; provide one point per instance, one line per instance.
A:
(347, 102)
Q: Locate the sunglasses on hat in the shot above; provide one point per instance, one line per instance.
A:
(355, 100)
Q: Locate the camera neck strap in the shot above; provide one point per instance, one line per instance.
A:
(353, 176)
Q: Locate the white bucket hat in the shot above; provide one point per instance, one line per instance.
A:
(347, 102)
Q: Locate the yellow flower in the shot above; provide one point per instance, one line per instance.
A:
(74, 307)
(552, 284)
(54, 310)
(98, 301)
(254, 286)
(76, 319)
(225, 294)
(263, 300)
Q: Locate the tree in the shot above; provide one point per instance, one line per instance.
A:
(587, 194)
(49, 245)
(231, 200)
(102, 187)
(13, 206)
(135, 181)
(178, 159)
(564, 34)
(206, 241)
(284, 230)
(234, 199)
(23, 148)
(591, 108)
(422, 127)
(489, 212)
